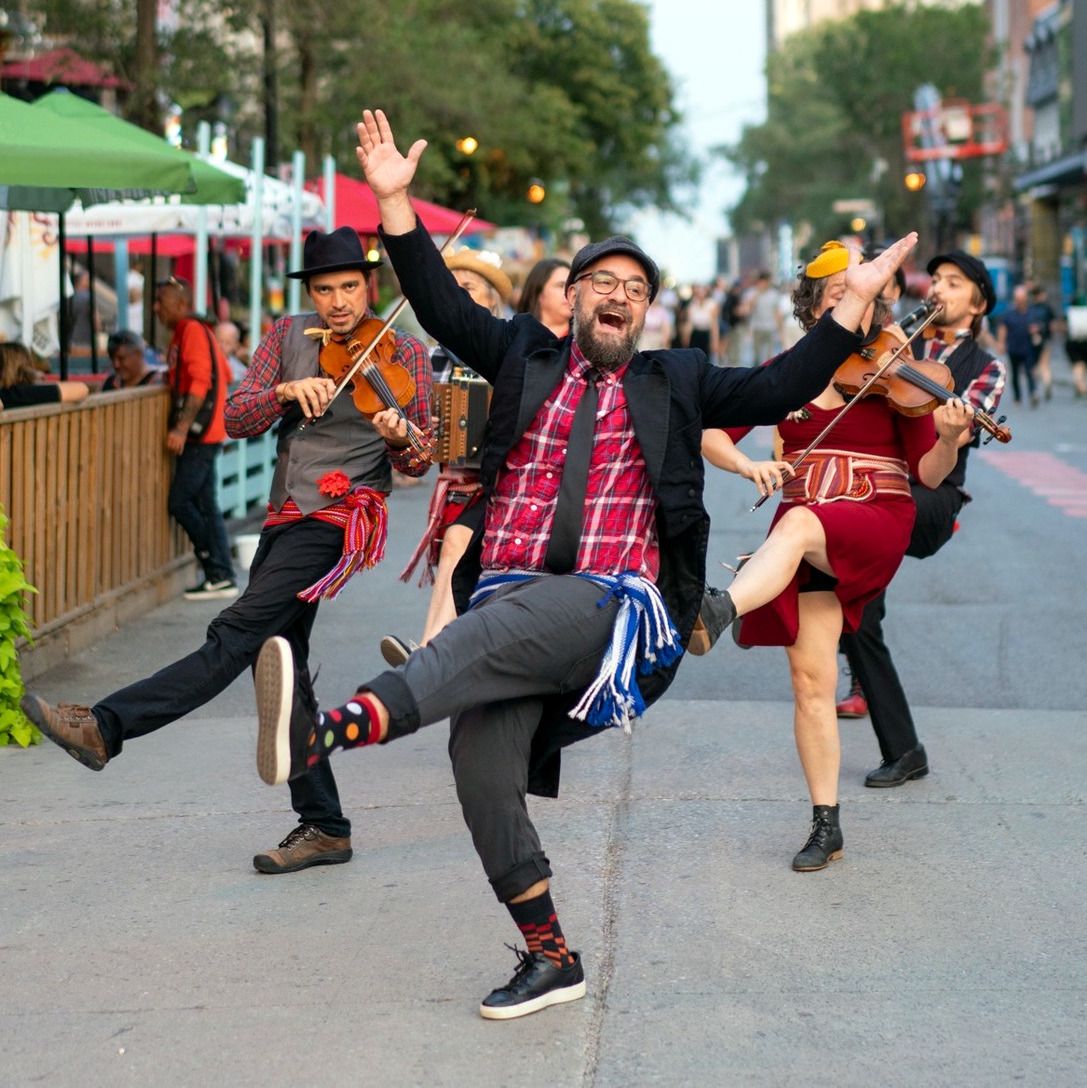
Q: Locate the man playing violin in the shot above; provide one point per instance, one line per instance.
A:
(326, 520)
(964, 291)
(579, 592)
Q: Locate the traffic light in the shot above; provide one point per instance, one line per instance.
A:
(915, 180)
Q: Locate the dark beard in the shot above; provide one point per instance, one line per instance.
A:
(604, 355)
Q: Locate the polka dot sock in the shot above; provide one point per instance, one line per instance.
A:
(540, 927)
(349, 726)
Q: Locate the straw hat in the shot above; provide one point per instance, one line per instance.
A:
(482, 263)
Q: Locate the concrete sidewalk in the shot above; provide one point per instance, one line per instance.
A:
(138, 946)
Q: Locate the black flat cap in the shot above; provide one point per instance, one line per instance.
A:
(591, 253)
(333, 252)
(972, 268)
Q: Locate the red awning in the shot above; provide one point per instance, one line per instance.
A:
(356, 206)
(61, 66)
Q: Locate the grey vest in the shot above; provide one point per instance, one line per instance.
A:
(340, 439)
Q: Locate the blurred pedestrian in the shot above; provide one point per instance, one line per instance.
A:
(1015, 340)
(764, 318)
(544, 295)
(1042, 316)
(199, 377)
(128, 357)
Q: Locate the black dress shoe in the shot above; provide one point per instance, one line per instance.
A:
(897, 772)
(536, 983)
(825, 842)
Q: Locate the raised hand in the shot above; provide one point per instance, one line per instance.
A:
(866, 280)
(387, 172)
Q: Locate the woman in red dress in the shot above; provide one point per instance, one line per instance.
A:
(836, 540)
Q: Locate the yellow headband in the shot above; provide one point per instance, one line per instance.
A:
(833, 257)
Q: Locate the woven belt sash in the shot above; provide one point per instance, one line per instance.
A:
(364, 519)
(836, 475)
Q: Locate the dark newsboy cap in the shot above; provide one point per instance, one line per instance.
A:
(333, 252)
(972, 269)
(591, 253)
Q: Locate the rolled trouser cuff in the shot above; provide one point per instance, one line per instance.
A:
(521, 877)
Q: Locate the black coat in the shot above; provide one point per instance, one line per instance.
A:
(672, 395)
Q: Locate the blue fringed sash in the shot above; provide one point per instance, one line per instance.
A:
(643, 639)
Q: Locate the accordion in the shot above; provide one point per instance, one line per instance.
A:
(461, 405)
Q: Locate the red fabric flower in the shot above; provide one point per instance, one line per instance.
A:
(334, 484)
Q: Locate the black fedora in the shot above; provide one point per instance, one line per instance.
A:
(333, 252)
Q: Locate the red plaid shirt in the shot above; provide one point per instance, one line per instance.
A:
(619, 531)
(253, 407)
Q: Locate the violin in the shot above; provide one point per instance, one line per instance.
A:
(912, 387)
(385, 383)
(879, 367)
(365, 362)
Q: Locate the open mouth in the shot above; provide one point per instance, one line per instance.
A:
(611, 320)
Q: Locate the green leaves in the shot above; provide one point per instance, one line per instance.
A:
(836, 95)
(14, 726)
(564, 91)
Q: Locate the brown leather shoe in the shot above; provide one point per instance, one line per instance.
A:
(306, 845)
(71, 726)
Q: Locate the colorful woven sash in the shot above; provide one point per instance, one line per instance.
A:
(837, 475)
(364, 518)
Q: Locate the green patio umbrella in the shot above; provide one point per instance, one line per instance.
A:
(213, 186)
(45, 159)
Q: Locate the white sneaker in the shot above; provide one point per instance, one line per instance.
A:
(213, 591)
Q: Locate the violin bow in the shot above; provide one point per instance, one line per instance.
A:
(461, 227)
(875, 376)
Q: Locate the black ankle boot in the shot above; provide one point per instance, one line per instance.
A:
(824, 844)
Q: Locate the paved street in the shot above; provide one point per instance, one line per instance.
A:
(138, 946)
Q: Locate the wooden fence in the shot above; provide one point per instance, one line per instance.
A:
(84, 488)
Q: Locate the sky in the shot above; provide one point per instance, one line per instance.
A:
(715, 53)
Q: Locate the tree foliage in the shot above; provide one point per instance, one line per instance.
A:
(564, 91)
(835, 100)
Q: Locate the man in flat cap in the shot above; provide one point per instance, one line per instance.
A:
(964, 290)
(580, 589)
(326, 520)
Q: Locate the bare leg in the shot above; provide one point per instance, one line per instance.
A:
(813, 662)
(797, 536)
(442, 611)
(1079, 378)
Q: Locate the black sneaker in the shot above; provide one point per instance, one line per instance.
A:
(208, 590)
(536, 983)
(281, 750)
(396, 650)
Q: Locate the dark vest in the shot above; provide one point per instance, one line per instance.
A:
(966, 362)
(340, 439)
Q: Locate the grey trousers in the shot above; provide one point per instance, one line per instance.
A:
(490, 672)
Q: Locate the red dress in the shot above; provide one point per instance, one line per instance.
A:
(866, 537)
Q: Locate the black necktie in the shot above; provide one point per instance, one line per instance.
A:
(570, 508)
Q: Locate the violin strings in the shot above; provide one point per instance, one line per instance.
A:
(374, 376)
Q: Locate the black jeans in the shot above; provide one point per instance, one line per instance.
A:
(492, 671)
(289, 558)
(868, 654)
(195, 506)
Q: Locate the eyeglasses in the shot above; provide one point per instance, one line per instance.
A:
(637, 290)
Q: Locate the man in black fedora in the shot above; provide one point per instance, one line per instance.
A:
(326, 520)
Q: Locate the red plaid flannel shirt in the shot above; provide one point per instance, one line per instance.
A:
(253, 407)
(619, 531)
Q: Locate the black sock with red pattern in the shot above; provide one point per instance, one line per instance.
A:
(536, 920)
